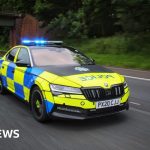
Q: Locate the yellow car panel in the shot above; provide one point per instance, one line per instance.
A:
(96, 79)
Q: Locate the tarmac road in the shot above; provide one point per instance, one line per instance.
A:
(129, 130)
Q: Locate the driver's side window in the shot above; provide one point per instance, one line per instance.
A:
(23, 56)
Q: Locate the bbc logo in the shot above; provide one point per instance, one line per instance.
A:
(4, 134)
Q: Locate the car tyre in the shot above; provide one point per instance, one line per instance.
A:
(38, 107)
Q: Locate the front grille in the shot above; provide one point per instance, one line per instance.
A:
(99, 94)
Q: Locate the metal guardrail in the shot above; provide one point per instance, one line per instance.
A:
(10, 14)
(3, 51)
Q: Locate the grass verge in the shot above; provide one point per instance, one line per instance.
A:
(126, 61)
(129, 51)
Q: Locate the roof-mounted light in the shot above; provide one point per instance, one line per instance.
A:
(40, 42)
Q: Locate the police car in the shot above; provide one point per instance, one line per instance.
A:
(60, 81)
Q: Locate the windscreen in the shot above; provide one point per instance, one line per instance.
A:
(46, 56)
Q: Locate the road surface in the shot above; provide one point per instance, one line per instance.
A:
(129, 130)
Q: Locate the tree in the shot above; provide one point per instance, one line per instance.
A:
(46, 10)
(133, 15)
(80, 18)
(69, 25)
(19, 6)
(99, 17)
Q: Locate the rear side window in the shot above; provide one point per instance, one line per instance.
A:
(23, 56)
(11, 55)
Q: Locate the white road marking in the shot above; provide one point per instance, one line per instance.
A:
(129, 69)
(140, 111)
(135, 103)
(144, 79)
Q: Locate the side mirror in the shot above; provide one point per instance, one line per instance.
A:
(92, 60)
(22, 63)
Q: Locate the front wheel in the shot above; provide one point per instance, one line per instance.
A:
(37, 105)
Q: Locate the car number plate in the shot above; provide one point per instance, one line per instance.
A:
(107, 103)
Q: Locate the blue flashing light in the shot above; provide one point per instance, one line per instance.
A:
(26, 41)
(39, 42)
(32, 42)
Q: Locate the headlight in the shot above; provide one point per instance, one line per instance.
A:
(125, 84)
(64, 89)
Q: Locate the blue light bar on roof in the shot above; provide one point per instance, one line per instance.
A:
(40, 42)
(26, 41)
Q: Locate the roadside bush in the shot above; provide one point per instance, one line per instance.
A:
(70, 25)
(119, 44)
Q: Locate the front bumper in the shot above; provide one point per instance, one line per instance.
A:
(69, 112)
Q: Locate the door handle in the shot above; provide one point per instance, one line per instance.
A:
(13, 71)
(2, 67)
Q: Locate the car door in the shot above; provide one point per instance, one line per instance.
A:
(22, 64)
(8, 67)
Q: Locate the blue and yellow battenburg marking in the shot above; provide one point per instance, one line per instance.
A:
(22, 81)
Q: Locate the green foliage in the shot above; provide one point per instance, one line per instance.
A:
(133, 15)
(20, 6)
(130, 51)
(119, 44)
(92, 18)
(122, 60)
(4, 38)
(99, 17)
(47, 10)
(71, 24)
